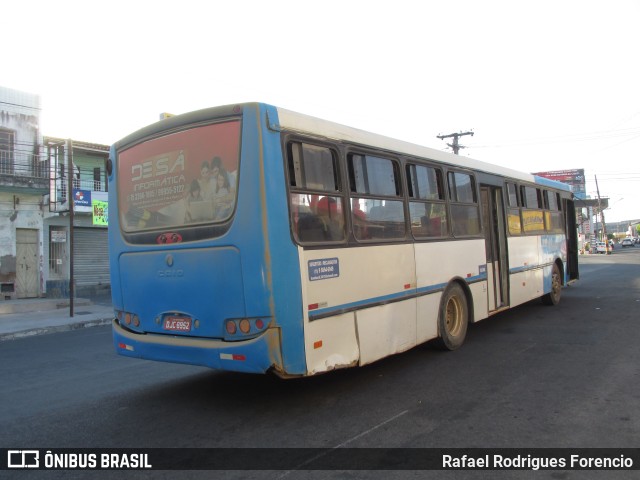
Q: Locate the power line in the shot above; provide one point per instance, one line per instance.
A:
(21, 106)
(578, 137)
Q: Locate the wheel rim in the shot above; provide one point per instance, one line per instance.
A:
(453, 318)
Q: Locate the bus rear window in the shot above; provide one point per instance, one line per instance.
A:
(184, 178)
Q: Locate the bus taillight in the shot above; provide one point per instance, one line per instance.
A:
(245, 325)
(243, 328)
(231, 327)
(127, 318)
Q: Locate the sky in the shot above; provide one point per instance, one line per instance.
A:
(544, 85)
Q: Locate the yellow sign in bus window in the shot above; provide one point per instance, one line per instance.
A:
(533, 220)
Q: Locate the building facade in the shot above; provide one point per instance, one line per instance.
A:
(35, 229)
(86, 227)
(24, 182)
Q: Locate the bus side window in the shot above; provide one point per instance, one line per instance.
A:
(465, 214)
(554, 218)
(513, 220)
(427, 208)
(532, 213)
(317, 213)
(377, 210)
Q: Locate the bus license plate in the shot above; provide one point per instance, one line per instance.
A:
(177, 324)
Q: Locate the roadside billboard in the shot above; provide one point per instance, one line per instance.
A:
(575, 178)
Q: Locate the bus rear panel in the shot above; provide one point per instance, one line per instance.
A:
(190, 245)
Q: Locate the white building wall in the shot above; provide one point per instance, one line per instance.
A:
(20, 205)
(20, 112)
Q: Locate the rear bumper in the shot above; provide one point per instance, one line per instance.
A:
(257, 355)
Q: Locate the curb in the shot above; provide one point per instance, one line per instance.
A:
(54, 329)
(40, 305)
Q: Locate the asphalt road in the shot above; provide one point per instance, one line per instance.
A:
(535, 376)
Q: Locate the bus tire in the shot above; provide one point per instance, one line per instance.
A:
(553, 297)
(453, 318)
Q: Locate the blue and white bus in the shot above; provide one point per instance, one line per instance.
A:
(254, 239)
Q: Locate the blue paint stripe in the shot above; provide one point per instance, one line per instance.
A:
(527, 268)
(362, 303)
(431, 288)
(393, 297)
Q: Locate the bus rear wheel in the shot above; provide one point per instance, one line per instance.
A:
(453, 318)
(553, 297)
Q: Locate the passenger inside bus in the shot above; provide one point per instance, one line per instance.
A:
(325, 225)
(431, 227)
(359, 219)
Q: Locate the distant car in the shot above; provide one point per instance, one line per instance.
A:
(626, 242)
(601, 247)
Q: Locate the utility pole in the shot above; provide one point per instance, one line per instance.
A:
(70, 199)
(455, 145)
(604, 227)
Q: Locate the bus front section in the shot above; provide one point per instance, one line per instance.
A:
(187, 261)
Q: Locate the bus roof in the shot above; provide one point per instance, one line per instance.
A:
(298, 122)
